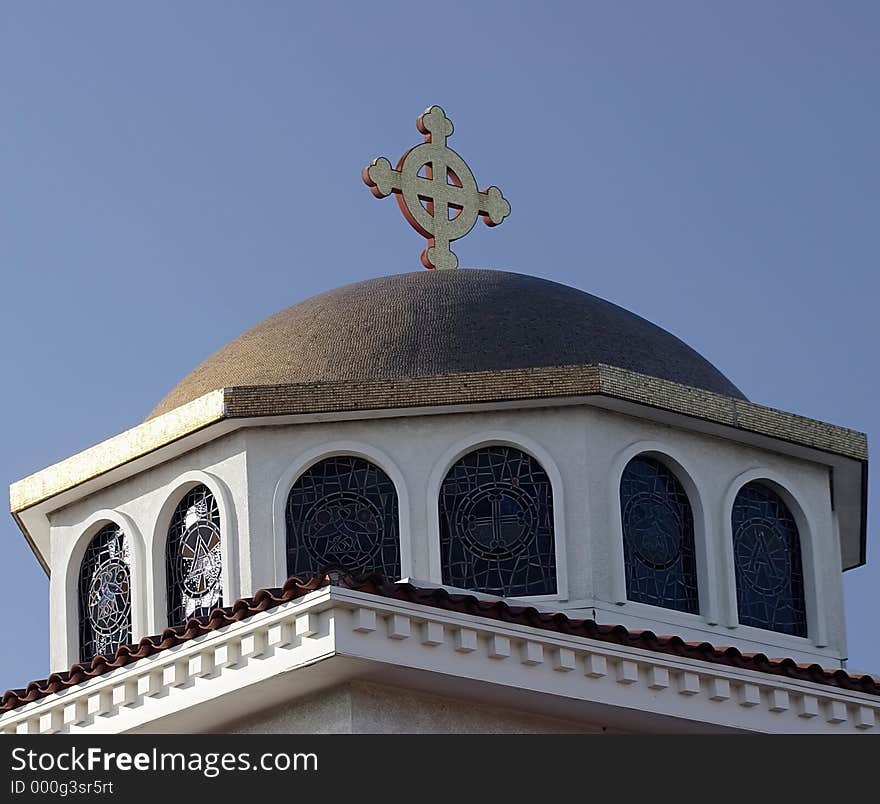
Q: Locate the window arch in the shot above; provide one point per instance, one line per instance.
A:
(496, 524)
(105, 594)
(658, 537)
(193, 556)
(342, 513)
(767, 558)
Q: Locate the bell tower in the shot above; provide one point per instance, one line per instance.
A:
(451, 500)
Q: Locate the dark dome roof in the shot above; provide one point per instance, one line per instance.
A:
(444, 322)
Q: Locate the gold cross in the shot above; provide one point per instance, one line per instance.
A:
(436, 190)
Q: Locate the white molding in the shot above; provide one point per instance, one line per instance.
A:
(354, 634)
(333, 449)
(507, 438)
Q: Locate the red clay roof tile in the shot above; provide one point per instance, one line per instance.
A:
(294, 588)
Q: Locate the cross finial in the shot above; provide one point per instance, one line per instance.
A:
(436, 190)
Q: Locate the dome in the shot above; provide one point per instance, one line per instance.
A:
(444, 322)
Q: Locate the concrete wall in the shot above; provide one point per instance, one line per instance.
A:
(363, 708)
(584, 450)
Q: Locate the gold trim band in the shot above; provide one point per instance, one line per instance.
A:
(432, 391)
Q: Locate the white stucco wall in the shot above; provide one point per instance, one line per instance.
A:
(143, 506)
(364, 708)
(584, 450)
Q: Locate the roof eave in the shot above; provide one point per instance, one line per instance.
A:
(560, 659)
(34, 496)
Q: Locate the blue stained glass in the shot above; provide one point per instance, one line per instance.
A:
(105, 594)
(194, 557)
(767, 556)
(496, 524)
(342, 514)
(658, 537)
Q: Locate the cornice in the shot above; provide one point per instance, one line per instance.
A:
(435, 393)
(350, 633)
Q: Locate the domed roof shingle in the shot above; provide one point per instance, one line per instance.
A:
(444, 322)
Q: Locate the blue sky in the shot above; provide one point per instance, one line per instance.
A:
(171, 173)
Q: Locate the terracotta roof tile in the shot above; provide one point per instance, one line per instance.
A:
(243, 608)
(294, 588)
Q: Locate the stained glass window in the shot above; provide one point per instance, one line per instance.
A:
(658, 537)
(342, 514)
(767, 556)
(105, 594)
(496, 524)
(194, 558)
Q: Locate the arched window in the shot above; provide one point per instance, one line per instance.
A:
(658, 537)
(496, 524)
(194, 557)
(105, 594)
(767, 557)
(342, 514)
